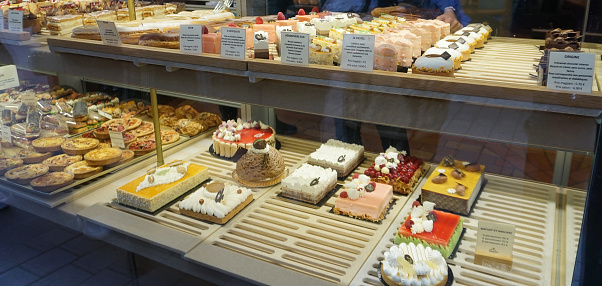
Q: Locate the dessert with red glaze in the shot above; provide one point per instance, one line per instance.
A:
(396, 169)
(435, 229)
(231, 135)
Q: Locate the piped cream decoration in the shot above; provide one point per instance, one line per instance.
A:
(428, 267)
(230, 200)
(162, 176)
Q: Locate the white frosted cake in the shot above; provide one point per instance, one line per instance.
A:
(411, 264)
(309, 183)
(217, 202)
(340, 156)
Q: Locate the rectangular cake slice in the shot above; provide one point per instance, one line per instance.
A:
(309, 183)
(363, 199)
(339, 156)
(396, 169)
(217, 202)
(161, 185)
(444, 192)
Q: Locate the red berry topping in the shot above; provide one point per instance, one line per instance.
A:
(232, 25)
(258, 20)
(355, 176)
(205, 30)
(301, 12)
(409, 223)
(315, 9)
(343, 194)
(280, 16)
(367, 172)
(373, 184)
(416, 204)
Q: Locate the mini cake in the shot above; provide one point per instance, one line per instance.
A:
(337, 155)
(363, 199)
(261, 166)
(434, 64)
(463, 48)
(435, 229)
(231, 135)
(454, 185)
(309, 183)
(336, 47)
(161, 185)
(217, 202)
(456, 55)
(396, 169)
(320, 55)
(385, 57)
(411, 264)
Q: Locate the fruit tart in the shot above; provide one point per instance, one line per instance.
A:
(103, 131)
(79, 146)
(52, 181)
(167, 137)
(103, 156)
(48, 144)
(31, 157)
(24, 174)
(59, 162)
(81, 170)
(396, 169)
(142, 147)
(9, 163)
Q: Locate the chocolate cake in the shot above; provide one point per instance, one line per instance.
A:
(563, 40)
(261, 166)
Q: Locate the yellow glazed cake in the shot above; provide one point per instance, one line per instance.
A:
(162, 185)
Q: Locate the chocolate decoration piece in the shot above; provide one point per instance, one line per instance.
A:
(453, 46)
(431, 216)
(220, 196)
(461, 41)
(259, 144)
(308, 24)
(369, 188)
(239, 191)
(457, 174)
(466, 34)
(315, 181)
(460, 189)
(341, 159)
(448, 161)
(201, 201)
(408, 259)
(472, 167)
(445, 55)
(442, 178)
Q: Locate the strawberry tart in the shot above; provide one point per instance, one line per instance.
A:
(231, 135)
(396, 169)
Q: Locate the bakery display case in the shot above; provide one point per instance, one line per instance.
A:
(536, 150)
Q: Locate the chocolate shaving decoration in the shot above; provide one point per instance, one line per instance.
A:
(441, 174)
(219, 196)
(341, 159)
(260, 37)
(445, 55)
(431, 216)
(369, 188)
(391, 160)
(308, 24)
(266, 161)
(201, 201)
(461, 41)
(315, 181)
(466, 34)
(453, 46)
(408, 259)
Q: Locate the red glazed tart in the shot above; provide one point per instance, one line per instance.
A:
(396, 169)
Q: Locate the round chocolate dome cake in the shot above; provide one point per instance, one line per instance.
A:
(261, 166)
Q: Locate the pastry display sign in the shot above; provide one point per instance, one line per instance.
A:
(571, 71)
(191, 39)
(15, 21)
(295, 48)
(8, 76)
(105, 115)
(109, 33)
(358, 52)
(494, 245)
(117, 139)
(5, 129)
(233, 43)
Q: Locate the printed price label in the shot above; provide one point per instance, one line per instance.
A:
(117, 139)
(191, 39)
(15, 21)
(234, 42)
(6, 136)
(109, 33)
(571, 71)
(494, 245)
(358, 52)
(104, 114)
(8, 77)
(295, 48)
(29, 98)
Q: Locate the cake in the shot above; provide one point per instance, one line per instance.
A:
(454, 185)
(436, 229)
(440, 64)
(61, 25)
(217, 202)
(320, 55)
(363, 199)
(309, 183)
(456, 55)
(337, 155)
(231, 135)
(161, 185)
(385, 57)
(396, 169)
(261, 166)
(411, 264)
(463, 48)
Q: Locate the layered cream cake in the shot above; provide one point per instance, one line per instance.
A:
(309, 183)
(217, 202)
(320, 55)
(411, 264)
(337, 155)
(162, 185)
(363, 199)
(261, 166)
(61, 25)
(454, 185)
(435, 229)
(231, 135)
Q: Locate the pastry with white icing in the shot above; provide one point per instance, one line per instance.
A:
(309, 183)
(411, 264)
(337, 155)
(217, 202)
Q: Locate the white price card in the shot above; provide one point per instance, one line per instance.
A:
(191, 39)
(8, 77)
(233, 43)
(109, 33)
(104, 114)
(15, 21)
(571, 71)
(6, 133)
(494, 245)
(358, 52)
(2, 21)
(295, 48)
(29, 98)
(117, 139)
